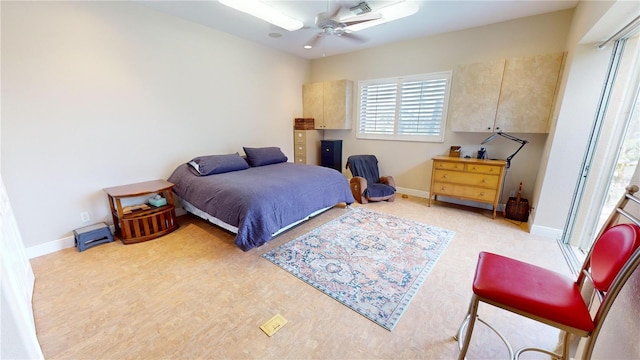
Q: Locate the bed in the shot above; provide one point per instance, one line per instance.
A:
(259, 196)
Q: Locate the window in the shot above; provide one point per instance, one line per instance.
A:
(409, 108)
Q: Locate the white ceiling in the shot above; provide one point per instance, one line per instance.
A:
(433, 17)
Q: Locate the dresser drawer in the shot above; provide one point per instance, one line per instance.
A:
(300, 150)
(445, 165)
(300, 137)
(447, 189)
(449, 176)
(462, 178)
(301, 160)
(480, 194)
(483, 169)
(486, 181)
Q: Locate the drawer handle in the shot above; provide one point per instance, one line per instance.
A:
(473, 168)
(444, 176)
(484, 181)
(482, 193)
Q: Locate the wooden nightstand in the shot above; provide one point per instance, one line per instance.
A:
(146, 222)
(467, 179)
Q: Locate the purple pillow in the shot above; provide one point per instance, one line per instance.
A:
(264, 156)
(218, 164)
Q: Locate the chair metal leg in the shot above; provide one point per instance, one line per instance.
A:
(458, 334)
(470, 320)
(468, 323)
(550, 353)
(463, 325)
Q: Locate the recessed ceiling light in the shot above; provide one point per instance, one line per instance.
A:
(308, 46)
(275, 35)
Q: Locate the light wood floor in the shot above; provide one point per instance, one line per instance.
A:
(193, 294)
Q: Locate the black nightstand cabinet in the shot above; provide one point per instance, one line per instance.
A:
(331, 154)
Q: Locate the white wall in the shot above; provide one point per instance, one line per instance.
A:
(410, 162)
(581, 88)
(100, 94)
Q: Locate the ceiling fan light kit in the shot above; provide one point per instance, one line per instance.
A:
(360, 9)
(267, 13)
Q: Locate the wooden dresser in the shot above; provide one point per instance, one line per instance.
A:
(467, 179)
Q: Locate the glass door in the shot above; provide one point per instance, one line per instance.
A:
(613, 154)
(624, 170)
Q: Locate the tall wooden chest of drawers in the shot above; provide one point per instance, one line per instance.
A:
(467, 179)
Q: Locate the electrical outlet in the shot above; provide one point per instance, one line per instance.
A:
(84, 216)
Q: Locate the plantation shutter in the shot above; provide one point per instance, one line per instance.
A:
(378, 108)
(410, 108)
(421, 107)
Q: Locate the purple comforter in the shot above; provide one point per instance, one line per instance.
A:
(262, 200)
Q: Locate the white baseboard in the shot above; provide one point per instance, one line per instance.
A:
(413, 192)
(53, 246)
(50, 247)
(546, 232)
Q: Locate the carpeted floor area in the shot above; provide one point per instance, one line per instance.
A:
(193, 294)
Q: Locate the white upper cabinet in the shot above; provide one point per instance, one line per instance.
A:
(330, 103)
(512, 95)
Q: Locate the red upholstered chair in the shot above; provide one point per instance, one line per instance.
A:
(550, 297)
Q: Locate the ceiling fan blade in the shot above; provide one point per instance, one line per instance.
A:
(355, 22)
(352, 20)
(353, 37)
(315, 40)
(336, 12)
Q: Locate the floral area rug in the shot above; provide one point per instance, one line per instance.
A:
(373, 263)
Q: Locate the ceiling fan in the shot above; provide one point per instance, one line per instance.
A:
(341, 22)
(338, 22)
